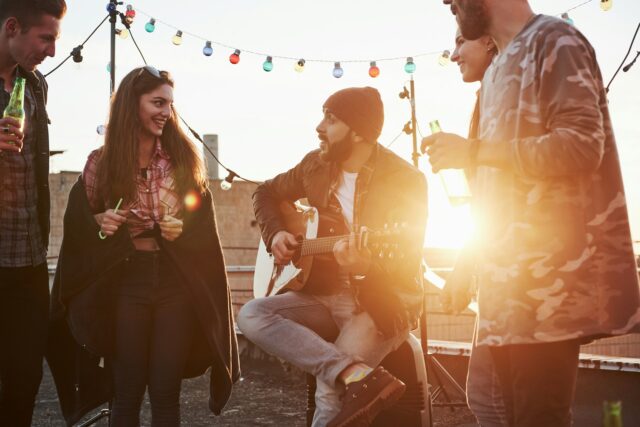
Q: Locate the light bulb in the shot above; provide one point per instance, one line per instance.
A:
(337, 70)
(299, 67)
(150, 26)
(567, 18)
(123, 33)
(267, 65)
(207, 50)
(606, 4)
(130, 12)
(410, 66)
(227, 183)
(444, 59)
(177, 39)
(374, 71)
(234, 58)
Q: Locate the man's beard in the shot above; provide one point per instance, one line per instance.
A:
(474, 20)
(339, 151)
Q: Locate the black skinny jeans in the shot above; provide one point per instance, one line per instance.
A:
(24, 314)
(538, 382)
(155, 324)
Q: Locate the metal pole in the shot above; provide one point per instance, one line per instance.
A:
(113, 15)
(414, 137)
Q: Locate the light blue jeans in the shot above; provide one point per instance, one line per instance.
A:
(298, 328)
(484, 395)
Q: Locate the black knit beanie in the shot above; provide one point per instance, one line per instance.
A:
(360, 108)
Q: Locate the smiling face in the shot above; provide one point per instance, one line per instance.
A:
(336, 138)
(473, 56)
(31, 47)
(155, 109)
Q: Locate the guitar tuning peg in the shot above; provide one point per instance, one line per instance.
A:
(396, 225)
(386, 226)
(381, 254)
(391, 255)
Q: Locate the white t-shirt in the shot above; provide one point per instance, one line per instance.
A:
(345, 193)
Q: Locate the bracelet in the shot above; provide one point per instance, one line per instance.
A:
(473, 151)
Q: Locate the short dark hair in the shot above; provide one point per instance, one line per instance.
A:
(29, 12)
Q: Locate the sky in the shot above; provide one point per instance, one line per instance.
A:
(266, 121)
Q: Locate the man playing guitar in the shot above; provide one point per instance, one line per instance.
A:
(353, 306)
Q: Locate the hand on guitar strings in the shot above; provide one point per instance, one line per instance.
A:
(356, 260)
(283, 247)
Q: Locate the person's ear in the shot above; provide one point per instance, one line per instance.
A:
(491, 46)
(11, 27)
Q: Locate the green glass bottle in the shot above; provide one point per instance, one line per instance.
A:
(15, 107)
(454, 180)
(612, 414)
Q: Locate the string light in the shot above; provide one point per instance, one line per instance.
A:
(606, 5)
(207, 50)
(227, 183)
(267, 65)
(444, 59)
(150, 26)
(234, 58)
(177, 39)
(129, 15)
(565, 16)
(76, 54)
(337, 70)
(374, 71)
(123, 33)
(410, 66)
(300, 64)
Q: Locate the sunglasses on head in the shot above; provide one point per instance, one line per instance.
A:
(153, 71)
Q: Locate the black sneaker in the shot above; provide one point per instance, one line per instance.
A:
(363, 400)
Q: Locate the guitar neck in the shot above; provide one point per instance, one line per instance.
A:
(320, 246)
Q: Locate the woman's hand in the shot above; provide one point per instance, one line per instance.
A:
(110, 221)
(170, 228)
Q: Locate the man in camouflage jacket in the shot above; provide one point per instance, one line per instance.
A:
(556, 266)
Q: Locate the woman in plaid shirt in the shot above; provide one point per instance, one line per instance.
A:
(138, 180)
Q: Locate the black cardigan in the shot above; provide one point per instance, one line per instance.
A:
(81, 329)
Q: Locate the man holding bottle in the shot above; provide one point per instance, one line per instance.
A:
(555, 263)
(28, 33)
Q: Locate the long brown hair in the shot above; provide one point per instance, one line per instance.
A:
(118, 162)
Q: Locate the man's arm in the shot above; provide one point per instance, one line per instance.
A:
(570, 92)
(287, 186)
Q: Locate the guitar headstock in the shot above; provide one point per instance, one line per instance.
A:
(386, 243)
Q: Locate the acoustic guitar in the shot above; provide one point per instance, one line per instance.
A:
(317, 233)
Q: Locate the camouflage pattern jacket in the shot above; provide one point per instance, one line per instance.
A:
(556, 258)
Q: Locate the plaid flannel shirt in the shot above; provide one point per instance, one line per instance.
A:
(21, 242)
(155, 197)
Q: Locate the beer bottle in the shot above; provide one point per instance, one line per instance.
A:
(612, 414)
(454, 181)
(15, 107)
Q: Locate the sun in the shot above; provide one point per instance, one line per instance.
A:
(448, 226)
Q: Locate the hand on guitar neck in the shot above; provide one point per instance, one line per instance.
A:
(283, 247)
(356, 260)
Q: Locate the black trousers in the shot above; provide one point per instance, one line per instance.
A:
(155, 324)
(538, 382)
(24, 315)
